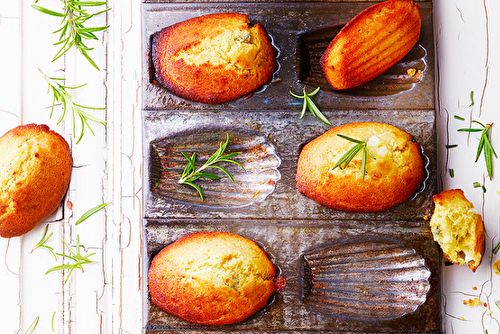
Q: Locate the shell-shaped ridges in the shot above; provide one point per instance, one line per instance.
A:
(401, 77)
(369, 280)
(253, 184)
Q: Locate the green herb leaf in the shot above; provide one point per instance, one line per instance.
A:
(352, 152)
(92, 211)
(43, 240)
(52, 322)
(497, 303)
(33, 325)
(471, 98)
(459, 118)
(191, 174)
(485, 147)
(73, 31)
(451, 146)
(309, 104)
(452, 173)
(61, 96)
(479, 185)
(496, 249)
(47, 11)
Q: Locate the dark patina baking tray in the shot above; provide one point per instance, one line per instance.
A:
(264, 204)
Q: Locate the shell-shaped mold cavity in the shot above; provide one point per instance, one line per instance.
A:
(401, 77)
(370, 281)
(253, 184)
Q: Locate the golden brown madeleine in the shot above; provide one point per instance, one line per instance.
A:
(458, 228)
(372, 42)
(213, 58)
(390, 179)
(211, 278)
(35, 170)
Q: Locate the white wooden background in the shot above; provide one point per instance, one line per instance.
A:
(107, 296)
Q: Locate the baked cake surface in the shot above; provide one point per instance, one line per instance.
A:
(371, 43)
(458, 228)
(392, 175)
(35, 170)
(211, 278)
(214, 58)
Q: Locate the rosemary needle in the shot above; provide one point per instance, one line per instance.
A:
(496, 249)
(43, 240)
(191, 174)
(309, 104)
(353, 151)
(479, 185)
(91, 211)
(33, 325)
(52, 322)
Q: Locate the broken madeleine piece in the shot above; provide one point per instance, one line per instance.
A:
(458, 228)
(371, 43)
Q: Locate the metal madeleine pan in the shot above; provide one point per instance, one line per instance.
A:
(367, 280)
(271, 192)
(264, 205)
(299, 31)
(254, 179)
(293, 245)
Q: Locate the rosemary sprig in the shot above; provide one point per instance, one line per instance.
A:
(62, 97)
(484, 145)
(91, 211)
(74, 255)
(353, 151)
(73, 32)
(190, 174)
(309, 104)
(43, 240)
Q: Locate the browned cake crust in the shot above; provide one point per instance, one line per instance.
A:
(211, 278)
(390, 179)
(213, 58)
(372, 42)
(35, 170)
(458, 228)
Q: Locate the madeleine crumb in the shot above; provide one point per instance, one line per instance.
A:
(473, 302)
(496, 267)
